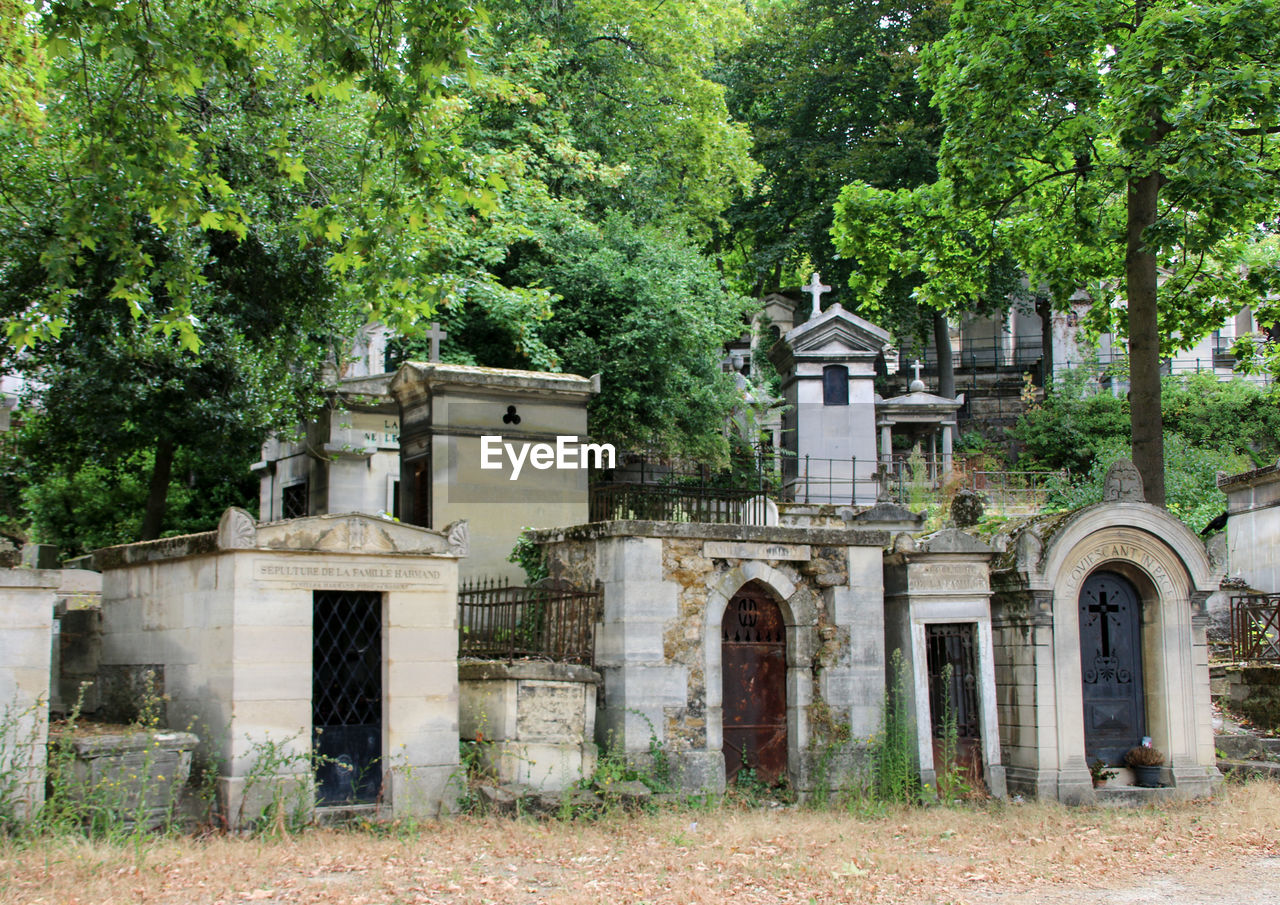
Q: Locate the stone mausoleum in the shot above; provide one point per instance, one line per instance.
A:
(329, 635)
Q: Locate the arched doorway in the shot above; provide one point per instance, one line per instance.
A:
(1111, 666)
(753, 653)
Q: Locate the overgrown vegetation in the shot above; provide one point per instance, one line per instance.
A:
(1211, 426)
(895, 775)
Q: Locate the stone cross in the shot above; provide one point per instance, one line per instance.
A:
(917, 367)
(435, 334)
(815, 289)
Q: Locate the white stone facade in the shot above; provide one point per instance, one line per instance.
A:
(1036, 628)
(227, 618)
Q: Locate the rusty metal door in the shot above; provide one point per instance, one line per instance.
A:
(753, 646)
(953, 695)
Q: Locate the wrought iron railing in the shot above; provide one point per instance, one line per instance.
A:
(501, 621)
(1013, 490)
(678, 502)
(737, 495)
(978, 354)
(1255, 628)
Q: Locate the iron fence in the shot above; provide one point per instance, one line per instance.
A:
(1022, 353)
(678, 502)
(501, 621)
(1013, 490)
(1255, 628)
(738, 495)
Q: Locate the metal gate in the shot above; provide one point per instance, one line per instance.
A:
(754, 661)
(346, 695)
(954, 693)
(1111, 666)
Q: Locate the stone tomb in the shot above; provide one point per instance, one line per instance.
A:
(446, 411)
(27, 598)
(938, 613)
(329, 635)
(1253, 527)
(829, 423)
(1098, 621)
(734, 645)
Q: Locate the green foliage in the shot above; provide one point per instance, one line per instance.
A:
(1126, 148)
(96, 503)
(530, 558)
(1210, 426)
(895, 773)
(829, 91)
(1072, 424)
(641, 308)
(1190, 479)
(1232, 415)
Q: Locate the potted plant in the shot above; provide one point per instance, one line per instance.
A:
(1146, 762)
(1100, 773)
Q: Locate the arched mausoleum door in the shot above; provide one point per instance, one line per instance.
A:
(753, 652)
(1111, 666)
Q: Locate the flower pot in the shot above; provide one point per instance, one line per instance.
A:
(1147, 777)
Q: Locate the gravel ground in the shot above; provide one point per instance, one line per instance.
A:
(1256, 883)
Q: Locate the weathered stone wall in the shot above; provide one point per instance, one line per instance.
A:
(1019, 644)
(666, 587)
(532, 722)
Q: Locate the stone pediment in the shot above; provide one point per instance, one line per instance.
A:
(347, 533)
(836, 331)
(237, 530)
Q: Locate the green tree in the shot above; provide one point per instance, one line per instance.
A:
(219, 194)
(1126, 147)
(830, 91)
(649, 314)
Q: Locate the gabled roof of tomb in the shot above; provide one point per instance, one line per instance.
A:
(836, 330)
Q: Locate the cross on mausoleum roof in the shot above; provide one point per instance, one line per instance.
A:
(815, 289)
(436, 335)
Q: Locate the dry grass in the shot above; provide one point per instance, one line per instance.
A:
(920, 856)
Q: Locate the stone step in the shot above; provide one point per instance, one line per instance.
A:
(1113, 796)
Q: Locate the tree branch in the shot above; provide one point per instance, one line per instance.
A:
(1260, 130)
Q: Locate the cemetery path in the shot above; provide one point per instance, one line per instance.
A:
(1253, 883)
(1222, 852)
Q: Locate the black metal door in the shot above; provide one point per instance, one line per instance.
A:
(1111, 666)
(346, 696)
(953, 695)
(753, 647)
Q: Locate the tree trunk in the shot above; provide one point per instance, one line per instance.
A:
(1044, 308)
(158, 490)
(1146, 422)
(946, 363)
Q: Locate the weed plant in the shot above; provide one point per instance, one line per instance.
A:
(894, 772)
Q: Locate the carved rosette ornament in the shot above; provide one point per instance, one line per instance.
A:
(237, 530)
(458, 535)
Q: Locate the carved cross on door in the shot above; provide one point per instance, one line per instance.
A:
(1103, 610)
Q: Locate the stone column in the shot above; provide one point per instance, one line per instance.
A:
(886, 442)
(946, 446)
